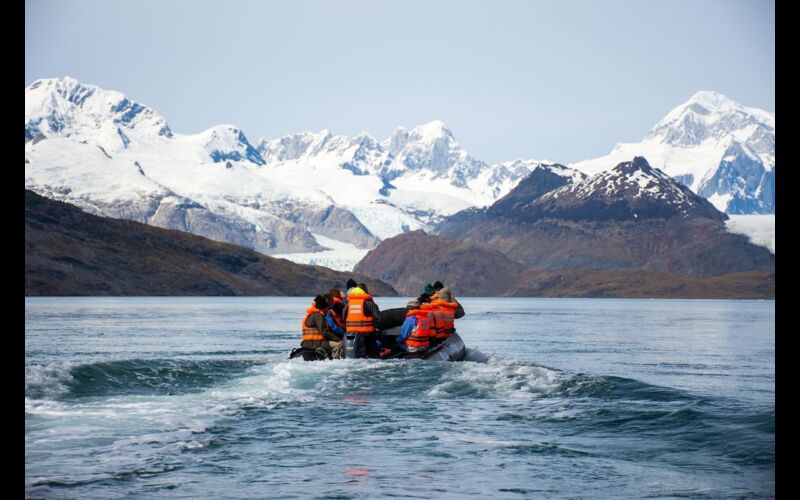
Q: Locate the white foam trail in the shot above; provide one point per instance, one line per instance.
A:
(498, 378)
(50, 380)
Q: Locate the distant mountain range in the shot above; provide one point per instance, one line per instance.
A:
(118, 158)
(70, 252)
(308, 192)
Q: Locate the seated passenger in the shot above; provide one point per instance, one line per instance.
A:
(334, 316)
(438, 287)
(337, 295)
(316, 333)
(417, 329)
(443, 310)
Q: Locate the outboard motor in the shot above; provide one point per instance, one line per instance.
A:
(355, 346)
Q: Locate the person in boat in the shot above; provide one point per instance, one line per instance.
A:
(444, 311)
(437, 287)
(316, 333)
(417, 330)
(334, 316)
(351, 283)
(338, 295)
(361, 314)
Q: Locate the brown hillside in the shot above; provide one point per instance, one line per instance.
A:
(411, 260)
(70, 252)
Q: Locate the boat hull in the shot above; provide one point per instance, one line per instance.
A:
(452, 349)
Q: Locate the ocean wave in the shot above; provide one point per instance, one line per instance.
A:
(128, 377)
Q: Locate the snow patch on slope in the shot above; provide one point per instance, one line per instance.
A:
(760, 229)
(342, 256)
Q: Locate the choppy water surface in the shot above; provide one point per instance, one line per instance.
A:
(581, 398)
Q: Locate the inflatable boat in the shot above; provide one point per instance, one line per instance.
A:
(388, 328)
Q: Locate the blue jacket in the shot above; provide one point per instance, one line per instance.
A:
(336, 329)
(408, 326)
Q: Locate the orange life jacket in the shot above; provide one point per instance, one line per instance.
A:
(421, 335)
(356, 321)
(444, 314)
(311, 333)
(336, 318)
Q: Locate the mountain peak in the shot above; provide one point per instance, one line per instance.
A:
(227, 142)
(709, 116)
(67, 87)
(64, 107)
(222, 128)
(432, 130)
(542, 179)
(631, 190)
(711, 100)
(63, 82)
(639, 163)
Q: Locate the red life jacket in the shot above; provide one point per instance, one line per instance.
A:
(357, 321)
(420, 336)
(310, 333)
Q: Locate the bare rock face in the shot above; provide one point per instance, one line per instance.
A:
(270, 235)
(338, 223)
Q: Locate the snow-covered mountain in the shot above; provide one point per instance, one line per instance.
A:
(632, 216)
(720, 149)
(323, 197)
(632, 190)
(302, 193)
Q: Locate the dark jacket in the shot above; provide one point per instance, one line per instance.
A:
(319, 322)
(459, 311)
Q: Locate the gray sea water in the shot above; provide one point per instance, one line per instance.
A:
(578, 398)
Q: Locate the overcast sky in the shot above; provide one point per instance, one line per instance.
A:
(557, 80)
